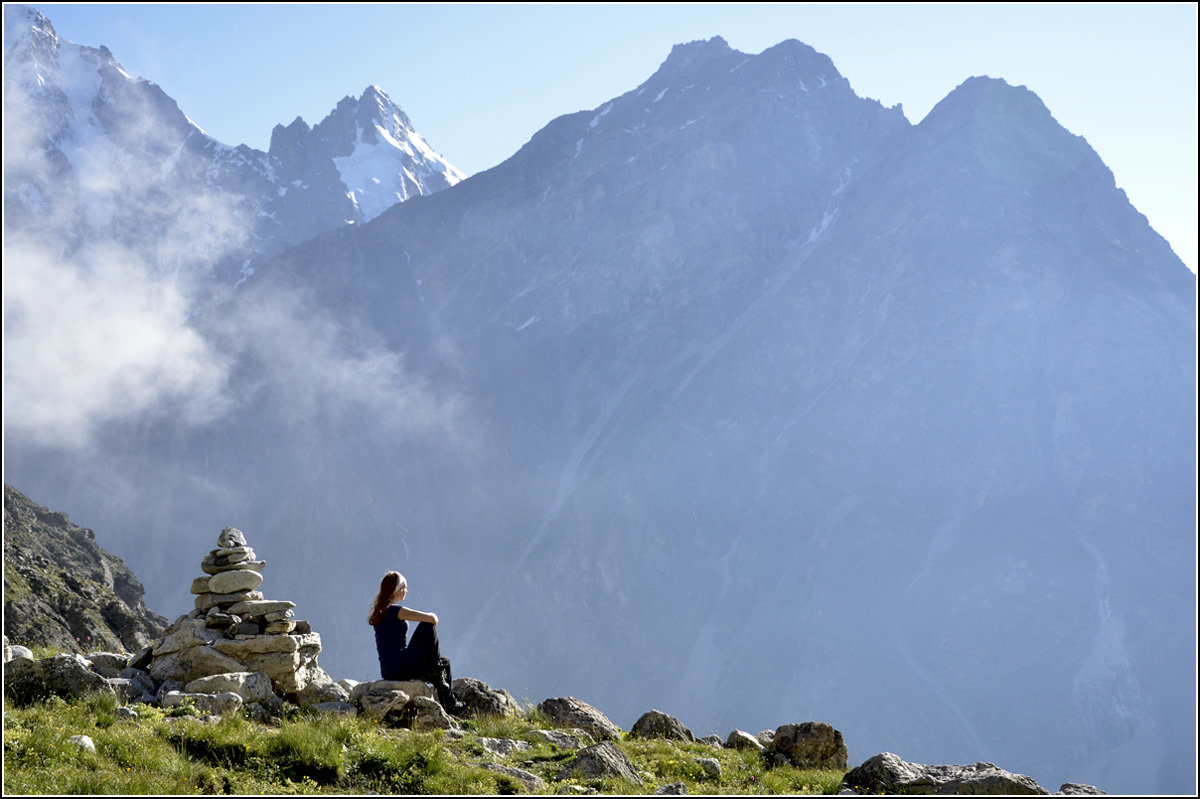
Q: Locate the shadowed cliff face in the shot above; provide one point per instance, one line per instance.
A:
(61, 590)
(739, 390)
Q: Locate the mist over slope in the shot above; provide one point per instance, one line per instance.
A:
(739, 390)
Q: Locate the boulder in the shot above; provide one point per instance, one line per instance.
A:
(571, 712)
(142, 678)
(672, 789)
(107, 664)
(504, 746)
(128, 690)
(423, 713)
(479, 699)
(192, 663)
(361, 692)
(711, 766)
(321, 689)
(888, 773)
(575, 739)
(600, 760)
(233, 581)
(142, 659)
(14, 651)
(713, 740)
(251, 686)
(216, 704)
(656, 724)
(377, 704)
(532, 782)
(811, 745)
(740, 739)
(67, 675)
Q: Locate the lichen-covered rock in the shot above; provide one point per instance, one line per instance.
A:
(811, 745)
(480, 699)
(601, 760)
(571, 712)
(888, 773)
(672, 789)
(656, 724)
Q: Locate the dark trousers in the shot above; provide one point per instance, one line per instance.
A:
(419, 661)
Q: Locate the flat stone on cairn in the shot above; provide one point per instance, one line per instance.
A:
(235, 629)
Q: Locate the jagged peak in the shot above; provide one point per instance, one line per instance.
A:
(25, 26)
(689, 51)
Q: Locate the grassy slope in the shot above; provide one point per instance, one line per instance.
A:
(311, 753)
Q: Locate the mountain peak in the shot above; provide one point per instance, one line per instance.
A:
(698, 51)
(1000, 122)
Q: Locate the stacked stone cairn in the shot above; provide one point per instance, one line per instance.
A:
(236, 633)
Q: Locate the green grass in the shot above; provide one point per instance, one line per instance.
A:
(308, 753)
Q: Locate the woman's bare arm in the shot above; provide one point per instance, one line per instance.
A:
(416, 615)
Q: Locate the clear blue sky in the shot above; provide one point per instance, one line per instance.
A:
(479, 80)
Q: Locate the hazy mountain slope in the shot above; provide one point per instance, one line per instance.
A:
(742, 390)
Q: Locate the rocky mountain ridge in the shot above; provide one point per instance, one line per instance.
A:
(61, 590)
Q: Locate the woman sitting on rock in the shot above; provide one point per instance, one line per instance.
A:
(418, 659)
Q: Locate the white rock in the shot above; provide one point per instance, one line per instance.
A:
(83, 742)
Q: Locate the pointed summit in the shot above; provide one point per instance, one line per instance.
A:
(1008, 131)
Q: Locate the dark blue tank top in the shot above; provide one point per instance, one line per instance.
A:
(391, 636)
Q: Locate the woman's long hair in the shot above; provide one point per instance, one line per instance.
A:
(388, 588)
